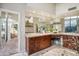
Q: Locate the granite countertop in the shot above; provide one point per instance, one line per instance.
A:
(37, 34)
(41, 34)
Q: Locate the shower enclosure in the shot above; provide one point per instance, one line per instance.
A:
(8, 28)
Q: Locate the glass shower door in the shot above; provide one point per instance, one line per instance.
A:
(12, 26)
(8, 33)
(3, 37)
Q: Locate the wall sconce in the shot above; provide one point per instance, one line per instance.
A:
(31, 20)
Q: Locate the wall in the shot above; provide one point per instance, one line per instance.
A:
(41, 8)
(45, 7)
(62, 8)
(18, 8)
(13, 6)
(62, 11)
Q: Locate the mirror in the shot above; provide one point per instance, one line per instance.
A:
(71, 24)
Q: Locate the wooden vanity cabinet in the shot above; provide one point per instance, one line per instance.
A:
(38, 43)
(65, 40)
(70, 42)
(45, 41)
(33, 44)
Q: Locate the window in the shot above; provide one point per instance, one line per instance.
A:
(70, 24)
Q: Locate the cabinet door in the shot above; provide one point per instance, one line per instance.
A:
(37, 44)
(70, 42)
(48, 41)
(74, 42)
(34, 44)
(31, 45)
(65, 41)
(45, 42)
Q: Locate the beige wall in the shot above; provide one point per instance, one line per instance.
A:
(62, 11)
(62, 8)
(45, 7)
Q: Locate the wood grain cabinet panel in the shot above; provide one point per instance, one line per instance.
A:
(41, 42)
(45, 42)
(31, 45)
(38, 43)
(70, 42)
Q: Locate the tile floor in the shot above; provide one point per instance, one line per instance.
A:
(56, 51)
(10, 48)
(20, 54)
(52, 51)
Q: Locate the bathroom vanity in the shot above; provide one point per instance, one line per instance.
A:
(38, 41)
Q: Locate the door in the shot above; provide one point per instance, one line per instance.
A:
(12, 26)
(9, 31)
(3, 37)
